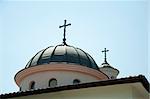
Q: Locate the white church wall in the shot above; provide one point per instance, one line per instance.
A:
(105, 92)
(63, 78)
(138, 92)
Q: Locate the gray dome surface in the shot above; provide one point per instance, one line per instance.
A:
(62, 53)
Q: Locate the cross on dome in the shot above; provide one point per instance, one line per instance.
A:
(105, 57)
(65, 25)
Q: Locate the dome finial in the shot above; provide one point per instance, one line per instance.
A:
(105, 58)
(65, 25)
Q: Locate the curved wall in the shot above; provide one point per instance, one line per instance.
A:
(63, 73)
(63, 78)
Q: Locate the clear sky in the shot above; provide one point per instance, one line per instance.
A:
(27, 27)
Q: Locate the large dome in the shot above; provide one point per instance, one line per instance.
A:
(62, 54)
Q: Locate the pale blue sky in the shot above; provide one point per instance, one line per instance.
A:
(28, 27)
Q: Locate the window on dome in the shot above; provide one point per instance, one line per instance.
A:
(76, 81)
(52, 82)
(112, 77)
(20, 89)
(32, 85)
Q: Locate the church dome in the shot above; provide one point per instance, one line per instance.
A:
(62, 54)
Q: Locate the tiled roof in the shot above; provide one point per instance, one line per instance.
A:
(127, 80)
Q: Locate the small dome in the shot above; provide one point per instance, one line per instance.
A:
(62, 54)
(110, 71)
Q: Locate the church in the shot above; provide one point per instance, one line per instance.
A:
(64, 71)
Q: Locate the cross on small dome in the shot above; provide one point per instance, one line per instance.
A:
(105, 57)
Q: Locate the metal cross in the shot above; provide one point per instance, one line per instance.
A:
(65, 25)
(105, 58)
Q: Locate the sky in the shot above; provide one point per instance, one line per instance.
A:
(27, 27)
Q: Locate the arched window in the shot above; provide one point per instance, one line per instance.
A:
(32, 85)
(52, 82)
(76, 81)
(20, 89)
(112, 77)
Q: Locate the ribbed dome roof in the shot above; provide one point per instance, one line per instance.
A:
(62, 53)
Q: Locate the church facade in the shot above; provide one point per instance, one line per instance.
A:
(67, 72)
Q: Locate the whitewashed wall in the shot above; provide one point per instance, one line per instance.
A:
(63, 78)
(120, 91)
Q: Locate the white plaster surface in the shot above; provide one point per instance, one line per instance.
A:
(63, 78)
(120, 91)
